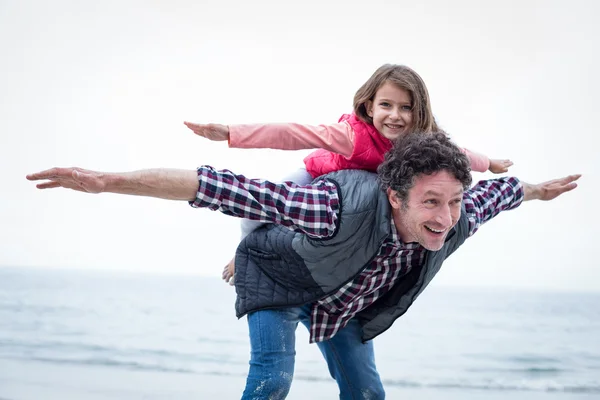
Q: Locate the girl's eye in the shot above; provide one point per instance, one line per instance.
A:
(384, 104)
(406, 108)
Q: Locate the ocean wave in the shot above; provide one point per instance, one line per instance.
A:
(529, 359)
(114, 363)
(540, 370)
(536, 370)
(533, 386)
(496, 387)
(521, 386)
(94, 354)
(53, 345)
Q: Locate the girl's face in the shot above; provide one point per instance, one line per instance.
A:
(391, 110)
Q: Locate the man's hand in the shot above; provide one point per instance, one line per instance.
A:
(499, 166)
(215, 132)
(551, 189)
(78, 179)
(229, 272)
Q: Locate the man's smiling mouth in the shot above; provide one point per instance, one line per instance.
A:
(437, 231)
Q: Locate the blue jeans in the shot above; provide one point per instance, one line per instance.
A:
(273, 349)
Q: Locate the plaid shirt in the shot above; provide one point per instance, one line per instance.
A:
(313, 209)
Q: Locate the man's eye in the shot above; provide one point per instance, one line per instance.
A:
(430, 201)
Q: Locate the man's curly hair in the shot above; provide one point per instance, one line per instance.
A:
(418, 153)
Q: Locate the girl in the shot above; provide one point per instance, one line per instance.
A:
(393, 102)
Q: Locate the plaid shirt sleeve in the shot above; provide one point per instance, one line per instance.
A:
(311, 209)
(488, 198)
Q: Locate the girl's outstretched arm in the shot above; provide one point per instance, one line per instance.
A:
(338, 138)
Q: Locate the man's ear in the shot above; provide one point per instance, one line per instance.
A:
(395, 201)
(369, 108)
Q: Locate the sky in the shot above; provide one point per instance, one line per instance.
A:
(107, 86)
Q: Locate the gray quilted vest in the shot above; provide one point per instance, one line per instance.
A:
(277, 267)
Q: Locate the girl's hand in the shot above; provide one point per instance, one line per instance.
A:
(215, 132)
(499, 166)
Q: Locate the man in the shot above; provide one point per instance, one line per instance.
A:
(348, 255)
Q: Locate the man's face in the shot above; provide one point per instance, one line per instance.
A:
(431, 210)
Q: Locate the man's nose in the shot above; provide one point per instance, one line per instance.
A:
(444, 217)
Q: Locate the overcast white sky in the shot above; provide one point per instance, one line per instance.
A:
(106, 85)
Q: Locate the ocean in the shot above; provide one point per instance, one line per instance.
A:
(92, 335)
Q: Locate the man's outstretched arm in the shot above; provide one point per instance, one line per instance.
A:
(488, 198)
(312, 209)
(170, 184)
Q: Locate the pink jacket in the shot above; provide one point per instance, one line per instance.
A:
(349, 144)
(369, 147)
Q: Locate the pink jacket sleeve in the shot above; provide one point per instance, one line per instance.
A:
(338, 138)
(479, 162)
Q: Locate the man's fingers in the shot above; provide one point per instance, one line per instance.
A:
(54, 174)
(55, 177)
(561, 190)
(571, 178)
(46, 174)
(570, 186)
(560, 186)
(48, 185)
(78, 179)
(225, 274)
(566, 180)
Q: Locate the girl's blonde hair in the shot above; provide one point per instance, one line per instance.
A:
(404, 78)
